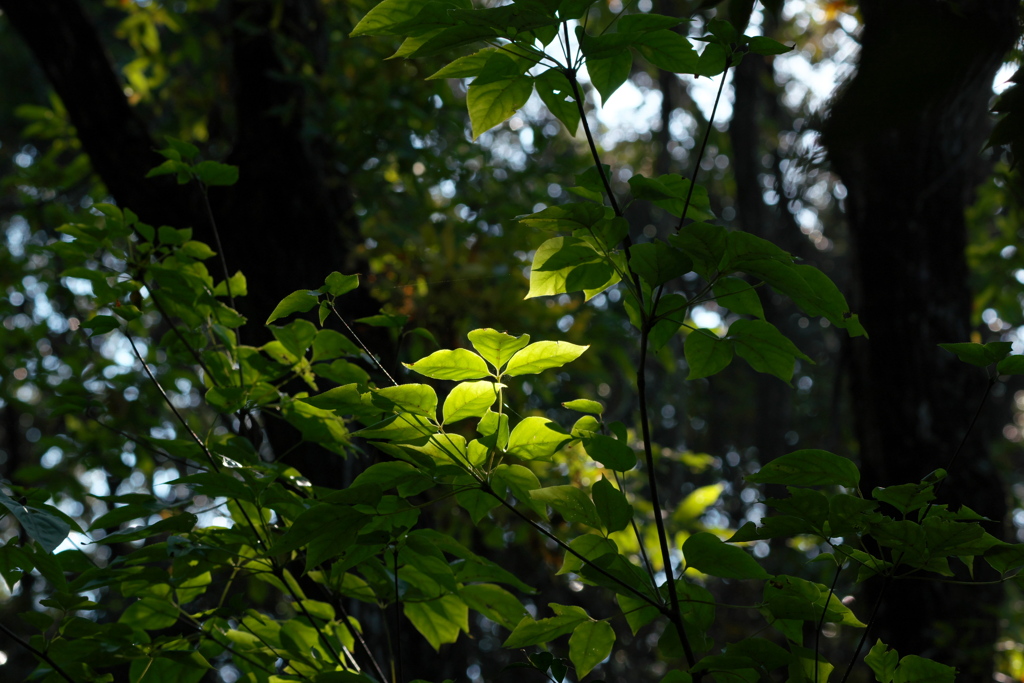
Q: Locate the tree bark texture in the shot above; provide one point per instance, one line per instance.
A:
(904, 135)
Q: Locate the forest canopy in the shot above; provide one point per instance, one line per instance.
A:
(559, 339)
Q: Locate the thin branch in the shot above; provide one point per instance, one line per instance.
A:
(361, 344)
(571, 75)
(652, 481)
(565, 546)
(704, 143)
(38, 653)
(399, 676)
(821, 622)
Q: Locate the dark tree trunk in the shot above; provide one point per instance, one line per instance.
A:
(904, 134)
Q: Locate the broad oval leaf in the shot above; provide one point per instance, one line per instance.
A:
(492, 103)
(657, 262)
(706, 354)
(612, 453)
(496, 347)
(612, 506)
(584, 405)
(469, 399)
(536, 438)
(543, 355)
(572, 503)
(590, 644)
(707, 553)
(766, 349)
(298, 301)
(808, 467)
(451, 364)
(419, 399)
(738, 296)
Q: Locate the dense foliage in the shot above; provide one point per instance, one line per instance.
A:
(237, 564)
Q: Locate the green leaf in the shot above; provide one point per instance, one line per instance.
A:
(584, 405)
(493, 103)
(711, 61)
(667, 50)
(706, 553)
(612, 453)
(404, 427)
(670, 192)
(697, 503)
(297, 336)
(337, 284)
(493, 427)
(643, 23)
(589, 547)
(738, 296)
(330, 344)
(298, 301)
(521, 481)
(388, 320)
(469, 399)
(49, 531)
(905, 497)
(496, 347)
(419, 399)
(572, 503)
(440, 620)
(214, 173)
(608, 73)
(529, 632)
(565, 217)
(176, 524)
(657, 262)
(590, 644)
(564, 264)
(101, 324)
(705, 244)
(808, 467)
(239, 286)
(465, 67)
(557, 94)
(706, 354)
(882, 661)
(387, 15)
(179, 149)
(981, 355)
(762, 45)
(150, 614)
(1011, 365)
(494, 602)
(454, 364)
(541, 356)
(915, 669)
(536, 438)
(765, 348)
(197, 250)
(612, 506)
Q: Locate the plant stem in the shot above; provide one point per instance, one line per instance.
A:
(821, 622)
(867, 628)
(704, 143)
(652, 480)
(565, 546)
(38, 653)
(571, 75)
(399, 676)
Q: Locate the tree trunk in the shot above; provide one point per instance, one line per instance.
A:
(904, 135)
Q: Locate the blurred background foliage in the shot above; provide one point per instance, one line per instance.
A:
(428, 218)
